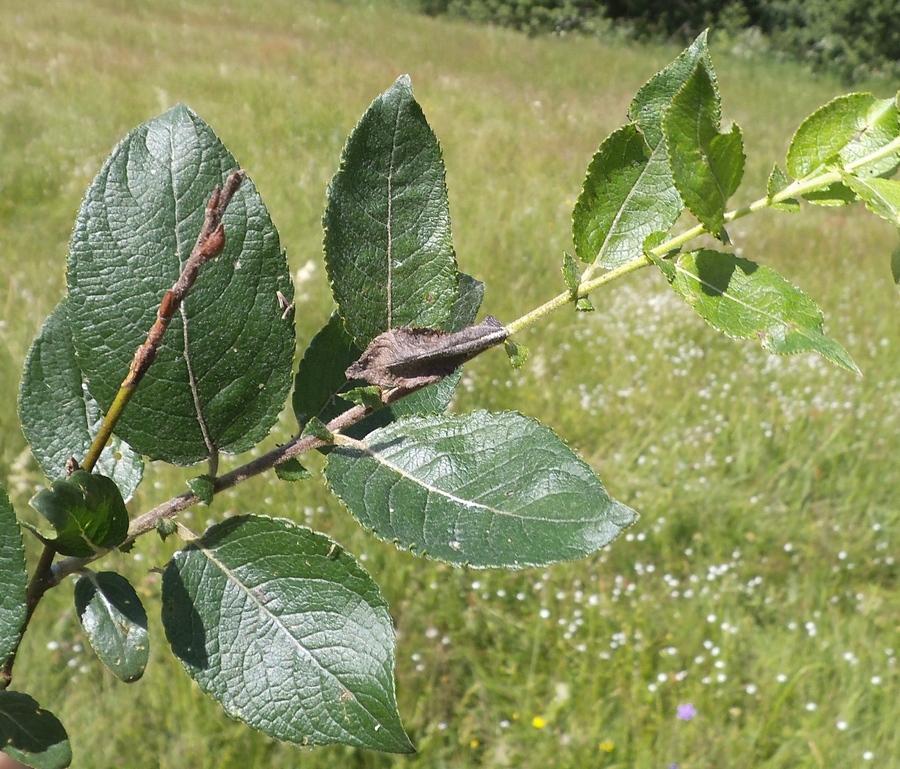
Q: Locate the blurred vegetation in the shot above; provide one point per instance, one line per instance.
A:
(852, 38)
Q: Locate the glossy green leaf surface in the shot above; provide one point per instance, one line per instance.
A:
(707, 165)
(59, 415)
(30, 734)
(12, 578)
(114, 622)
(747, 301)
(224, 368)
(627, 194)
(87, 512)
(388, 249)
(846, 129)
(482, 489)
(287, 632)
(881, 196)
(651, 103)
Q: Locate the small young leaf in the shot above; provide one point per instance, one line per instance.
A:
(59, 416)
(517, 353)
(287, 632)
(224, 367)
(746, 301)
(651, 102)
(370, 397)
(87, 512)
(291, 470)
(482, 489)
(881, 196)
(627, 194)
(777, 182)
(12, 578)
(318, 429)
(846, 129)
(115, 623)
(707, 166)
(571, 273)
(388, 249)
(165, 527)
(204, 488)
(32, 735)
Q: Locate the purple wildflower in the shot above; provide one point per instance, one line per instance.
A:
(686, 711)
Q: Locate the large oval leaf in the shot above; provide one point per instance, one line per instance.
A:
(115, 623)
(388, 250)
(12, 578)
(30, 734)
(287, 632)
(481, 489)
(59, 415)
(224, 368)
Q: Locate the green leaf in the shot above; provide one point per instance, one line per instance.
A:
(651, 102)
(747, 301)
(846, 129)
(895, 266)
(87, 512)
(881, 196)
(707, 166)
(370, 397)
(388, 249)
(321, 379)
(777, 182)
(482, 489)
(285, 630)
(291, 470)
(517, 353)
(165, 527)
(12, 577)
(59, 415)
(203, 487)
(224, 368)
(115, 623)
(627, 194)
(30, 734)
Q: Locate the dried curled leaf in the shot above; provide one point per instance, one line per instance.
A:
(410, 358)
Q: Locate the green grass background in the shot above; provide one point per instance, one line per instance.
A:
(760, 584)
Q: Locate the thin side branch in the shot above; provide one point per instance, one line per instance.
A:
(209, 245)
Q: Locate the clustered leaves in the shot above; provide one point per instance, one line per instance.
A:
(277, 622)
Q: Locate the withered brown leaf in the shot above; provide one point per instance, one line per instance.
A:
(410, 358)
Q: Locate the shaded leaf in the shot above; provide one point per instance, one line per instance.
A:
(115, 623)
(30, 734)
(517, 353)
(287, 632)
(59, 415)
(707, 166)
(12, 577)
(628, 193)
(224, 367)
(203, 487)
(291, 470)
(747, 301)
(87, 512)
(321, 375)
(480, 489)
(388, 249)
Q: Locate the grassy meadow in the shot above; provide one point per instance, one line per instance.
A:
(750, 619)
